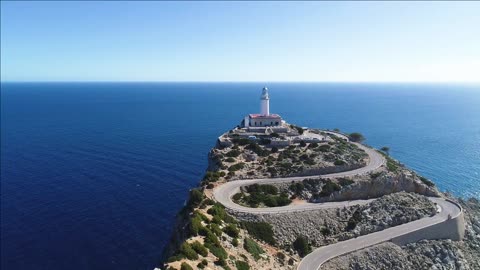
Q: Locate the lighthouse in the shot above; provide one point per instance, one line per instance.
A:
(265, 102)
(264, 118)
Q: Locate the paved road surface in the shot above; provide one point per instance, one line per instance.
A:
(223, 194)
(321, 255)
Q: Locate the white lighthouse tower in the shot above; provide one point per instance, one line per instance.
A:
(265, 102)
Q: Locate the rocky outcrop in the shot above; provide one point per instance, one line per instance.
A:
(374, 186)
(327, 226)
(425, 254)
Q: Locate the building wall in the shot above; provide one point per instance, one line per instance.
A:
(264, 107)
(265, 122)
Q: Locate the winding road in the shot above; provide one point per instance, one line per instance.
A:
(447, 210)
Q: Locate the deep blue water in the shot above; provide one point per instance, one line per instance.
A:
(93, 174)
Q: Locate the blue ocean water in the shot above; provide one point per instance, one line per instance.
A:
(92, 174)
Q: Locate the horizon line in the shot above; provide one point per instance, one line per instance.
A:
(262, 82)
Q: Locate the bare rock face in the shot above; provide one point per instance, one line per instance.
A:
(425, 254)
(326, 226)
(385, 183)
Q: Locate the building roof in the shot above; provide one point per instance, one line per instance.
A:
(261, 116)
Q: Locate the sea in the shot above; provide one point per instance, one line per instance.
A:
(93, 174)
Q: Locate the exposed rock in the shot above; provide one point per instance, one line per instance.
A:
(327, 226)
(425, 254)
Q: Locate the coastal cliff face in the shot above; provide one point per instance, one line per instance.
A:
(327, 226)
(207, 236)
(425, 254)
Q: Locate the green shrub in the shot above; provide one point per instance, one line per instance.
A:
(426, 181)
(324, 148)
(302, 246)
(175, 258)
(195, 225)
(274, 149)
(261, 231)
(345, 182)
(199, 248)
(356, 137)
(216, 229)
(253, 248)
(187, 250)
(328, 188)
(231, 230)
(217, 250)
(237, 197)
(241, 265)
(235, 242)
(230, 159)
(236, 167)
(185, 266)
(339, 162)
(195, 198)
(297, 187)
(392, 165)
(303, 144)
(233, 153)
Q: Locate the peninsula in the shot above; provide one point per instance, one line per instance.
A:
(280, 196)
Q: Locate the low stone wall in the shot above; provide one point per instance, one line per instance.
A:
(453, 229)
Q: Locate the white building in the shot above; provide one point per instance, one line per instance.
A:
(264, 118)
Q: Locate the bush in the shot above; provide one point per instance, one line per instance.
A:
(261, 231)
(237, 197)
(185, 266)
(313, 145)
(303, 144)
(392, 165)
(253, 248)
(345, 182)
(236, 167)
(175, 258)
(356, 137)
(199, 248)
(339, 162)
(187, 250)
(241, 265)
(217, 250)
(241, 141)
(281, 256)
(324, 148)
(195, 198)
(302, 246)
(235, 242)
(299, 129)
(231, 230)
(233, 153)
(230, 159)
(328, 188)
(216, 229)
(195, 225)
(274, 149)
(426, 181)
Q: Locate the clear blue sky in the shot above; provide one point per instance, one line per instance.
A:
(235, 41)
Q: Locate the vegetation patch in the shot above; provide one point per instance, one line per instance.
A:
(263, 194)
(302, 246)
(253, 248)
(426, 181)
(260, 230)
(241, 265)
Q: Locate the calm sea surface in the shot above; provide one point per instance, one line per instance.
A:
(92, 175)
